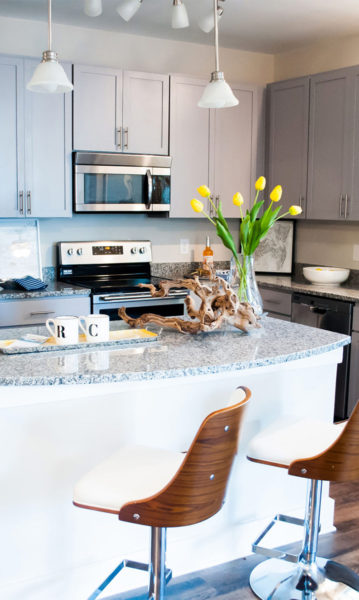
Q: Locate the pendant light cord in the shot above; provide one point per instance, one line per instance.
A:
(215, 35)
(49, 27)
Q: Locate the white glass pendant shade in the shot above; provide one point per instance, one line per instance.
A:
(49, 77)
(218, 94)
(207, 22)
(128, 8)
(179, 15)
(93, 8)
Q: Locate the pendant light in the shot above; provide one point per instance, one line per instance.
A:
(49, 76)
(93, 8)
(179, 15)
(217, 93)
(128, 9)
(206, 23)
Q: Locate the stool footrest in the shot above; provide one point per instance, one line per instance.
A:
(273, 552)
(130, 564)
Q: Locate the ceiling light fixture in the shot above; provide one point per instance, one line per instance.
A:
(49, 76)
(179, 15)
(217, 93)
(206, 23)
(128, 8)
(93, 8)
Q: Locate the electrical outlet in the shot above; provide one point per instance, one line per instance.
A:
(356, 252)
(184, 246)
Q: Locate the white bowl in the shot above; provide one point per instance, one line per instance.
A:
(326, 275)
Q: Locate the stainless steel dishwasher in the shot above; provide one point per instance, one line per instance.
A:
(332, 315)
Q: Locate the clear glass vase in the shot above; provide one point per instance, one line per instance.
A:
(243, 279)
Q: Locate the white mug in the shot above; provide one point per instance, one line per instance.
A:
(96, 327)
(66, 330)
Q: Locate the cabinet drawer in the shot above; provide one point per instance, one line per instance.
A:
(36, 311)
(356, 317)
(278, 302)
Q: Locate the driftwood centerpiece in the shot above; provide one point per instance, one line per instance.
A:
(219, 304)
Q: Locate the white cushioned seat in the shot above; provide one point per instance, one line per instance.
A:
(286, 441)
(133, 473)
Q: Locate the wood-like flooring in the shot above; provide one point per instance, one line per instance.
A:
(229, 581)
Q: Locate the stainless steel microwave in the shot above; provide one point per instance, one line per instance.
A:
(121, 182)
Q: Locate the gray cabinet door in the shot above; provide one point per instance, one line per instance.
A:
(145, 113)
(189, 144)
(11, 138)
(233, 149)
(352, 201)
(287, 159)
(97, 109)
(48, 144)
(331, 143)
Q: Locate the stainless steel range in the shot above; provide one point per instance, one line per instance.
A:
(113, 270)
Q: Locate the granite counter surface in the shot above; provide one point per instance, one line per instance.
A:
(54, 289)
(174, 355)
(287, 284)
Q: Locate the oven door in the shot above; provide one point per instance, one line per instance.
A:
(166, 307)
(102, 188)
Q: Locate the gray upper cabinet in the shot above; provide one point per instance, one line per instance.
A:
(120, 111)
(189, 144)
(331, 144)
(11, 139)
(48, 147)
(212, 147)
(288, 110)
(35, 145)
(145, 113)
(233, 150)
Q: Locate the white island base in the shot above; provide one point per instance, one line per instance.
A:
(51, 435)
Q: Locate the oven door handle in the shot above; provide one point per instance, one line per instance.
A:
(149, 189)
(124, 297)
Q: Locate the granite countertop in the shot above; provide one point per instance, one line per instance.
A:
(174, 355)
(54, 288)
(288, 284)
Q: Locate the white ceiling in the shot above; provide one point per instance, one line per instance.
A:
(258, 25)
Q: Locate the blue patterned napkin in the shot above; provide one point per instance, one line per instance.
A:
(31, 283)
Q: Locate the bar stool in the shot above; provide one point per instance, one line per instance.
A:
(319, 452)
(161, 488)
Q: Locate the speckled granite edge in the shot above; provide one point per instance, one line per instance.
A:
(97, 378)
(178, 270)
(53, 290)
(287, 284)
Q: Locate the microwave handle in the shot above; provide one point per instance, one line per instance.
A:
(149, 189)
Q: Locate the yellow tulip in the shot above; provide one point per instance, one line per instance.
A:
(295, 210)
(238, 199)
(260, 183)
(197, 205)
(276, 193)
(204, 191)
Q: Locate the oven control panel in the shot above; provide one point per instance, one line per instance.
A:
(108, 252)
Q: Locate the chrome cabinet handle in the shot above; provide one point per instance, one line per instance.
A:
(217, 201)
(42, 312)
(346, 213)
(28, 202)
(125, 143)
(20, 203)
(149, 189)
(341, 199)
(119, 137)
(210, 206)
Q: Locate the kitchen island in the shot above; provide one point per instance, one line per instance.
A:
(63, 412)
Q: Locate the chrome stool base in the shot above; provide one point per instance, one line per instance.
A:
(276, 579)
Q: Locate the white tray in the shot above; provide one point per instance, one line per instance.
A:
(42, 344)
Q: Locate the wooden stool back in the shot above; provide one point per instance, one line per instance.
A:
(340, 462)
(197, 490)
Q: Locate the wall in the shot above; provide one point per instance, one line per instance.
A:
(323, 243)
(91, 46)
